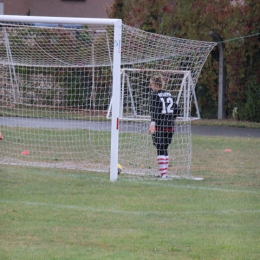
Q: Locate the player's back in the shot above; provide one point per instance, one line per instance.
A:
(163, 109)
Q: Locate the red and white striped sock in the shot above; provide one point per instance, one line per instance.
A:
(161, 160)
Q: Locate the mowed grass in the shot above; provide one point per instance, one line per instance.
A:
(65, 214)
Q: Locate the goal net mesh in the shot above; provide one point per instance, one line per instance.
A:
(56, 89)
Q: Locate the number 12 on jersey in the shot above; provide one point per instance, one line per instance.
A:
(167, 104)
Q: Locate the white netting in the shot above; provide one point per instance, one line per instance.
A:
(136, 150)
(56, 88)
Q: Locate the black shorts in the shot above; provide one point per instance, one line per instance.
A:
(161, 139)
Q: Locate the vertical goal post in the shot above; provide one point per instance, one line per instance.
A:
(116, 100)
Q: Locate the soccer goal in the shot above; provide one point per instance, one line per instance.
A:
(74, 94)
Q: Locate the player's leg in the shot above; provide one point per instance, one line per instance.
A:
(162, 153)
(167, 141)
(161, 161)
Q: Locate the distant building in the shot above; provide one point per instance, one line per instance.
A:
(63, 8)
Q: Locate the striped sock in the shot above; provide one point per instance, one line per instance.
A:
(161, 160)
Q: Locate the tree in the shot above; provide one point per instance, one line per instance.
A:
(231, 20)
(144, 14)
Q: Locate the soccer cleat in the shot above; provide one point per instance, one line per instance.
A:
(162, 176)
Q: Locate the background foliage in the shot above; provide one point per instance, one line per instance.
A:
(238, 24)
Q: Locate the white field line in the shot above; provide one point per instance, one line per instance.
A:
(170, 184)
(155, 182)
(124, 212)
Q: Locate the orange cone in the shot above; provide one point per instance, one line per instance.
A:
(25, 152)
(227, 151)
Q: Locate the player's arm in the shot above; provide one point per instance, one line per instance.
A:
(152, 128)
(153, 109)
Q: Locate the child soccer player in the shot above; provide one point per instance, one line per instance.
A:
(164, 111)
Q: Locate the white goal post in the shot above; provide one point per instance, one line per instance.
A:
(74, 94)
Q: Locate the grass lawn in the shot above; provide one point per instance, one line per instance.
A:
(65, 214)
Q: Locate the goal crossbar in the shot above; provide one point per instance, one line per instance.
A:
(57, 20)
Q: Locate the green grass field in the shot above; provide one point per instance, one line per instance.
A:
(64, 214)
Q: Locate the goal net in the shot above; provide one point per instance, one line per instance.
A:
(136, 150)
(62, 104)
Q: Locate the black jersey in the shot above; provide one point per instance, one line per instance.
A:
(163, 109)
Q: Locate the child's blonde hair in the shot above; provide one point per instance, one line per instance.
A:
(157, 80)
